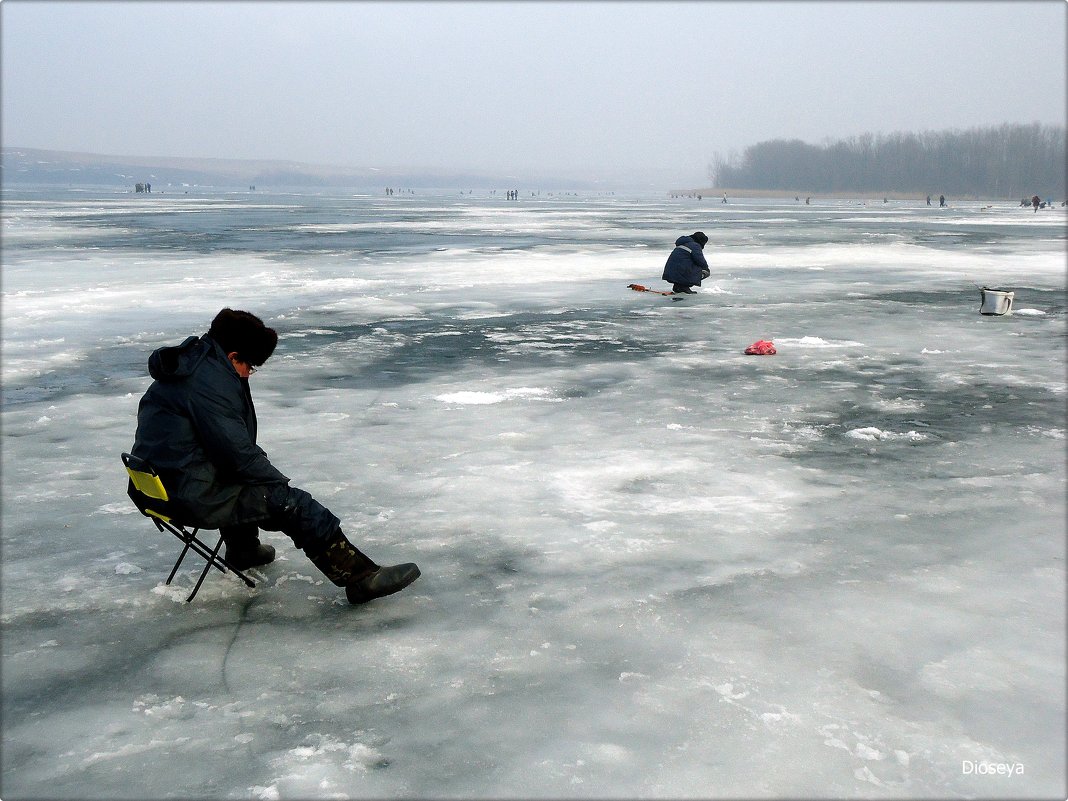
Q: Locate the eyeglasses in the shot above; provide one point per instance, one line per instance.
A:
(248, 365)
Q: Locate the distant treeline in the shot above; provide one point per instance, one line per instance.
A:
(1006, 161)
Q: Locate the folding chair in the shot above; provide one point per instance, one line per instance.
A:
(150, 497)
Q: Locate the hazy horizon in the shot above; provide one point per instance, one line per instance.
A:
(599, 89)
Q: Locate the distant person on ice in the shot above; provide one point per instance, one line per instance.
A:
(686, 266)
(197, 426)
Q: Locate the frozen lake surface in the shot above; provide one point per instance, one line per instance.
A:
(652, 566)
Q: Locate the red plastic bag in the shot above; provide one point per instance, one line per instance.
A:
(761, 347)
(640, 288)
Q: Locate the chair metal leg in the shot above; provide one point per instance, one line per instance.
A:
(178, 564)
(211, 556)
(207, 567)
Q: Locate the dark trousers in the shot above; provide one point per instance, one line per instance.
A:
(294, 512)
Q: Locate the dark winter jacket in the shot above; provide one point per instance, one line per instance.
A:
(686, 264)
(197, 426)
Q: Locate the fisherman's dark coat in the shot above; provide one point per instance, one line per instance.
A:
(196, 425)
(686, 264)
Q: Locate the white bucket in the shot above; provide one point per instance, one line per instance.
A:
(996, 301)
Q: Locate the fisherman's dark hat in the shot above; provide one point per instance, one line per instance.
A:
(699, 236)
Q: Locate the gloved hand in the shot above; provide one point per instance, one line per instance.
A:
(705, 272)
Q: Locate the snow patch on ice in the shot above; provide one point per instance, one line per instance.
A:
(297, 577)
(872, 434)
(601, 525)
(819, 342)
(125, 508)
(1052, 433)
(898, 405)
(326, 749)
(727, 691)
(475, 398)
(168, 591)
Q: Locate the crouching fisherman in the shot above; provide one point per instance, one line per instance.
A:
(686, 266)
(197, 426)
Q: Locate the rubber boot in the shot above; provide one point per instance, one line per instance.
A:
(244, 549)
(362, 579)
(255, 555)
(384, 581)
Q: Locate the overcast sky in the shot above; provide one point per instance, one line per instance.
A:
(600, 87)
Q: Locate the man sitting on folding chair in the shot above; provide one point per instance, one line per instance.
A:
(196, 425)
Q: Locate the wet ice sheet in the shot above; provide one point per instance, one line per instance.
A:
(652, 566)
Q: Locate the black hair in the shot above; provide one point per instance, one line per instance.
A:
(244, 333)
(699, 237)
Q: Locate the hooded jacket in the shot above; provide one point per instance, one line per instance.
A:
(686, 264)
(196, 425)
